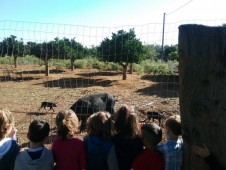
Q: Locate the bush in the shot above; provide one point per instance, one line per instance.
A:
(146, 66)
(80, 63)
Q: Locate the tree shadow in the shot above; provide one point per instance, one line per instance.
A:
(52, 71)
(77, 82)
(17, 79)
(161, 90)
(161, 78)
(166, 86)
(100, 73)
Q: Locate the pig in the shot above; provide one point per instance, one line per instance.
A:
(90, 104)
(155, 115)
(48, 104)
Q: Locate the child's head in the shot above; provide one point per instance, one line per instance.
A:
(67, 123)
(99, 124)
(151, 135)
(173, 124)
(125, 122)
(6, 122)
(38, 131)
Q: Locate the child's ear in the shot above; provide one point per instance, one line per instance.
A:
(167, 129)
(46, 140)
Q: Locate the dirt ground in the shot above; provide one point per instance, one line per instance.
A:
(23, 89)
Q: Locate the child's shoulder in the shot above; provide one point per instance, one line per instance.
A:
(74, 139)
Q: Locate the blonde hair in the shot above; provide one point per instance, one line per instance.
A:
(6, 121)
(67, 123)
(99, 124)
(174, 123)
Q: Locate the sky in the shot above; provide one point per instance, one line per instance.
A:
(88, 16)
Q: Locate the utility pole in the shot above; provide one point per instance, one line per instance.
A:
(163, 32)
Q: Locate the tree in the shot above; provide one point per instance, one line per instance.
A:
(68, 49)
(12, 47)
(123, 48)
(170, 52)
(150, 52)
(202, 69)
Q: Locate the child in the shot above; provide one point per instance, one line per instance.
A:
(69, 151)
(149, 159)
(8, 145)
(37, 156)
(99, 148)
(208, 157)
(172, 150)
(126, 140)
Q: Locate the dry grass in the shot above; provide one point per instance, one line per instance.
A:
(23, 95)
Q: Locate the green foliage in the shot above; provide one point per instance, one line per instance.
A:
(112, 66)
(29, 60)
(158, 67)
(21, 60)
(138, 68)
(146, 66)
(10, 46)
(171, 52)
(123, 47)
(59, 63)
(6, 60)
(173, 56)
(150, 52)
(97, 64)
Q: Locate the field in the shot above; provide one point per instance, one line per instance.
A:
(23, 89)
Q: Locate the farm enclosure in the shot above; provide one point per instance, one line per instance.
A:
(23, 95)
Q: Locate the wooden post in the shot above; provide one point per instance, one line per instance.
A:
(202, 70)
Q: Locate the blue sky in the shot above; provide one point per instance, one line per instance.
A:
(79, 12)
(109, 14)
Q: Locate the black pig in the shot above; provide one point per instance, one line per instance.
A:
(90, 104)
(155, 115)
(48, 104)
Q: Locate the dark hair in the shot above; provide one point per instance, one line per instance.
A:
(38, 130)
(99, 124)
(174, 123)
(126, 123)
(151, 134)
(67, 123)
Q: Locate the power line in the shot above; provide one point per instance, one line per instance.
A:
(180, 7)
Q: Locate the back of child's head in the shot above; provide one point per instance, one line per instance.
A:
(99, 124)
(38, 130)
(125, 122)
(6, 121)
(151, 134)
(174, 124)
(67, 123)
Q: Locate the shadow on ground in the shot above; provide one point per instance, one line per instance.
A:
(102, 73)
(77, 82)
(16, 79)
(166, 86)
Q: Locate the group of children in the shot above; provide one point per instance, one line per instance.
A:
(110, 144)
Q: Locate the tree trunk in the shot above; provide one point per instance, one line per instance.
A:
(202, 70)
(46, 66)
(131, 68)
(124, 72)
(15, 61)
(72, 64)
